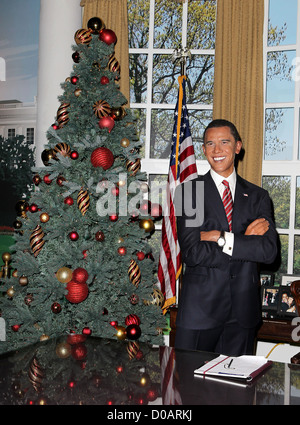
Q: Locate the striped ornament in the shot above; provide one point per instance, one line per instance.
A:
(36, 240)
(83, 201)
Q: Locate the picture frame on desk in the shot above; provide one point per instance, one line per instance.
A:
(288, 279)
(266, 279)
(286, 305)
(269, 301)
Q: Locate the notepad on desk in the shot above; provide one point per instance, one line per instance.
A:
(244, 368)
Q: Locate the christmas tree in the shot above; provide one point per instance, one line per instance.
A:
(82, 260)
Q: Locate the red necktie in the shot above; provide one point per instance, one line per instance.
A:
(228, 203)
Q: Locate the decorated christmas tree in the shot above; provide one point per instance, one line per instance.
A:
(82, 260)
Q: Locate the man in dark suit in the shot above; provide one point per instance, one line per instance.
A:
(219, 304)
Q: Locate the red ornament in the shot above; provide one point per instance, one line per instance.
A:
(156, 210)
(120, 369)
(73, 338)
(113, 217)
(115, 191)
(33, 208)
(106, 122)
(68, 200)
(80, 275)
(73, 236)
(79, 351)
(74, 80)
(122, 250)
(102, 157)
(77, 292)
(140, 255)
(99, 236)
(74, 155)
(55, 126)
(60, 180)
(37, 180)
(76, 57)
(71, 384)
(86, 331)
(113, 323)
(152, 394)
(15, 328)
(46, 179)
(56, 308)
(104, 80)
(132, 319)
(133, 332)
(108, 36)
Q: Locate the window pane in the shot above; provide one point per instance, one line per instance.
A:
(165, 79)
(167, 24)
(198, 122)
(138, 23)
(279, 126)
(279, 188)
(297, 255)
(201, 24)
(200, 82)
(162, 121)
(140, 124)
(138, 68)
(282, 22)
(280, 85)
(297, 212)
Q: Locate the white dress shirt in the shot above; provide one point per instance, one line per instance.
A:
(229, 237)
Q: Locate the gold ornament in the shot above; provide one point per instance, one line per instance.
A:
(113, 64)
(47, 155)
(64, 274)
(121, 332)
(118, 113)
(63, 350)
(44, 217)
(83, 201)
(147, 225)
(83, 36)
(36, 240)
(10, 292)
(21, 208)
(77, 92)
(132, 349)
(23, 281)
(101, 109)
(35, 374)
(157, 298)
(5, 270)
(133, 166)
(62, 148)
(125, 142)
(62, 115)
(44, 337)
(134, 273)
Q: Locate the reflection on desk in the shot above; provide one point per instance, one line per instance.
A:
(89, 371)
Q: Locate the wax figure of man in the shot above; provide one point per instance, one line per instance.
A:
(219, 304)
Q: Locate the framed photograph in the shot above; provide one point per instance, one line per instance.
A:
(266, 279)
(287, 279)
(270, 297)
(286, 304)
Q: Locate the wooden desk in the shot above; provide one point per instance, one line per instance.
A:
(273, 330)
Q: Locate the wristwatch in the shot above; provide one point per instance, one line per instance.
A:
(221, 240)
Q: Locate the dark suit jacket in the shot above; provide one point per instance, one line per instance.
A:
(214, 283)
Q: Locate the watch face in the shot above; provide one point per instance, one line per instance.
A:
(221, 241)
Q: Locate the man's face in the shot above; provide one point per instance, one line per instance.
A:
(220, 149)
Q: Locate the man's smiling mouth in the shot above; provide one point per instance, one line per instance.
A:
(220, 158)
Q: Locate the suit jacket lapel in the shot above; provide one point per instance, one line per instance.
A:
(240, 204)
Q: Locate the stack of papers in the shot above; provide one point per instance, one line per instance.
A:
(243, 367)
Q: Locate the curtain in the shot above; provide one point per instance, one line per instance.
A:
(238, 83)
(114, 15)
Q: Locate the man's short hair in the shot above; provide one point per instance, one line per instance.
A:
(223, 123)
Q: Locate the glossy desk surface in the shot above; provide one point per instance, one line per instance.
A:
(99, 371)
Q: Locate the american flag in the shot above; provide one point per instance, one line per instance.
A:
(182, 168)
(169, 377)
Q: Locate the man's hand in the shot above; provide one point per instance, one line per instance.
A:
(258, 227)
(210, 236)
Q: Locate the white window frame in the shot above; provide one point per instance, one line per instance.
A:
(285, 168)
